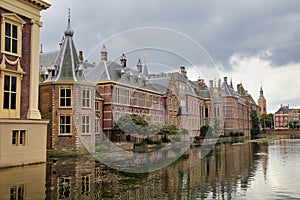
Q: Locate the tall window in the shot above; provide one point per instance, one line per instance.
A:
(17, 192)
(175, 105)
(97, 106)
(127, 97)
(65, 97)
(85, 185)
(144, 100)
(85, 124)
(118, 95)
(11, 38)
(64, 125)
(10, 92)
(170, 103)
(86, 98)
(64, 187)
(136, 98)
(18, 137)
(97, 125)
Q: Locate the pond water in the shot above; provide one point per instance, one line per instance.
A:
(265, 170)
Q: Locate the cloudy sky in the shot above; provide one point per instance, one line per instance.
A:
(254, 42)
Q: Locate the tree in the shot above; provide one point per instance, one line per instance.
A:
(131, 124)
(168, 129)
(266, 120)
(205, 131)
(254, 123)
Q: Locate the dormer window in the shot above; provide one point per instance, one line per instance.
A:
(12, 37)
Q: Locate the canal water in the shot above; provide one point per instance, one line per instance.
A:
(254, 170)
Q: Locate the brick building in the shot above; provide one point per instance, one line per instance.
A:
(160, 98)
(69, 101)
(22, 132)
(284, 115)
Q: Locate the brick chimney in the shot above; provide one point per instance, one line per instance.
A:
(123, 60)
(211, 83)
(80, 56)
(225, 79)
(103, 53)
(139, 66)
(182, 70)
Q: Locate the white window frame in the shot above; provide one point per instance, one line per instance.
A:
(65, 98)
(65, 125)
(13, 20)
(19, 137)
(86, 98)
(85, 124)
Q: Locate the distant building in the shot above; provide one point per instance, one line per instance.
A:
(159, 98)
(22, 132)
(262, 104)
(284, 115)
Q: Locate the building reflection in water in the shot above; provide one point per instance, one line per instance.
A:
(20, 183)
(218, 175)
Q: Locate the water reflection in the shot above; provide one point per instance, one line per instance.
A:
(247, 171)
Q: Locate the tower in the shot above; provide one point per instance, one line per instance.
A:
(262, 102)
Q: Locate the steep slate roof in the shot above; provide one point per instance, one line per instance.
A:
(284, 110)
(108, 70)
(66, 62)
(160, 84)
(47, 59)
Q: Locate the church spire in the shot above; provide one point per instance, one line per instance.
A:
(67, 61)
(261, 93)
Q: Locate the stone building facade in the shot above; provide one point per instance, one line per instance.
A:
(22, 131)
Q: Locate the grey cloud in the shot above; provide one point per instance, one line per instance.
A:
(222, 27)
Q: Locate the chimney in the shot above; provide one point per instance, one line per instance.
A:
(199, 81)
(80, 56)
(103, 54)
(182, 70)
(239, 88)
(219, 83)
(225, 79)
(211, 83)
(139, 66)
(123, 60)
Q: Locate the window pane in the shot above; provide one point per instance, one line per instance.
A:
(7, 44)
(22, 137)
(14, 46)
(68, 93)
(62, 119)
(6, 83)
(13, 84)
(62, 129)
(68, 120)
(7, 29)
(68, 129)
(62, 93)
(14, 31)
(13, 101)
(68, 102)
(6, 100)
(14, 137)
(62, 102)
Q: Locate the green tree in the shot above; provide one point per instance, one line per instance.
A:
(168, 129)
(205, 131)
(254, 123)
(266, 120)
(131, 124)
